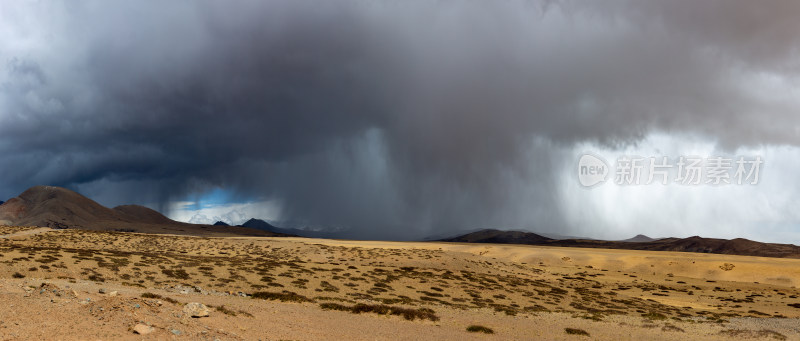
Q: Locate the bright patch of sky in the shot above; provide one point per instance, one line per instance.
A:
(766, 211)
(220, 205)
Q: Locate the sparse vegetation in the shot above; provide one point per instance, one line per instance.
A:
(381, 309)
(285, 296)
(178, 274)
(744, 333)
(575, 331)
(480, 329)
(654, 316)
(225, 311)
(378, 282)
(157, 296)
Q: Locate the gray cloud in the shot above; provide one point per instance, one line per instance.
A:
(393, 119)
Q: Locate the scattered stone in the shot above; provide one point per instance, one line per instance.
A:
(113, 293)
(195, 309)
(175, 331)
(142, 329)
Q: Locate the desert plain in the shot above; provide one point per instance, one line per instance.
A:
(99, 285)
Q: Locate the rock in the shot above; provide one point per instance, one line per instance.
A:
(176, 332)
(195, 309)
(102, 291)
(113, 293)
(142, 329)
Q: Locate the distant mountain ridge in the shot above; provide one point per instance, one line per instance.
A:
(639, 238)
(738, 246)
(451, 235)
(262, 225)
(259, 224)
(500, 237)
(57, 207)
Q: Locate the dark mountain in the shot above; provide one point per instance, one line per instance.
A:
(262, 225)
(57, 207)
(736, 246)
(500, 237)
(221, 223)
(259, 224)
(450, 235)
(639, 238)
(560, 236)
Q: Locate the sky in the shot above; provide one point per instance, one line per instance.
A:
(401, 120)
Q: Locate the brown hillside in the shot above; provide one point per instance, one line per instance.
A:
(143, 214)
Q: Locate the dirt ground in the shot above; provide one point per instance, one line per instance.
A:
(88, 285)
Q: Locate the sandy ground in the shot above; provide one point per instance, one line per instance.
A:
(51, 283)
(26, 232)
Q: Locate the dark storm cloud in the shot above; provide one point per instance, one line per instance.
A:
(388, 118)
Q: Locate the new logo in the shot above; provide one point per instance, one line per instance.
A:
(592, 170)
